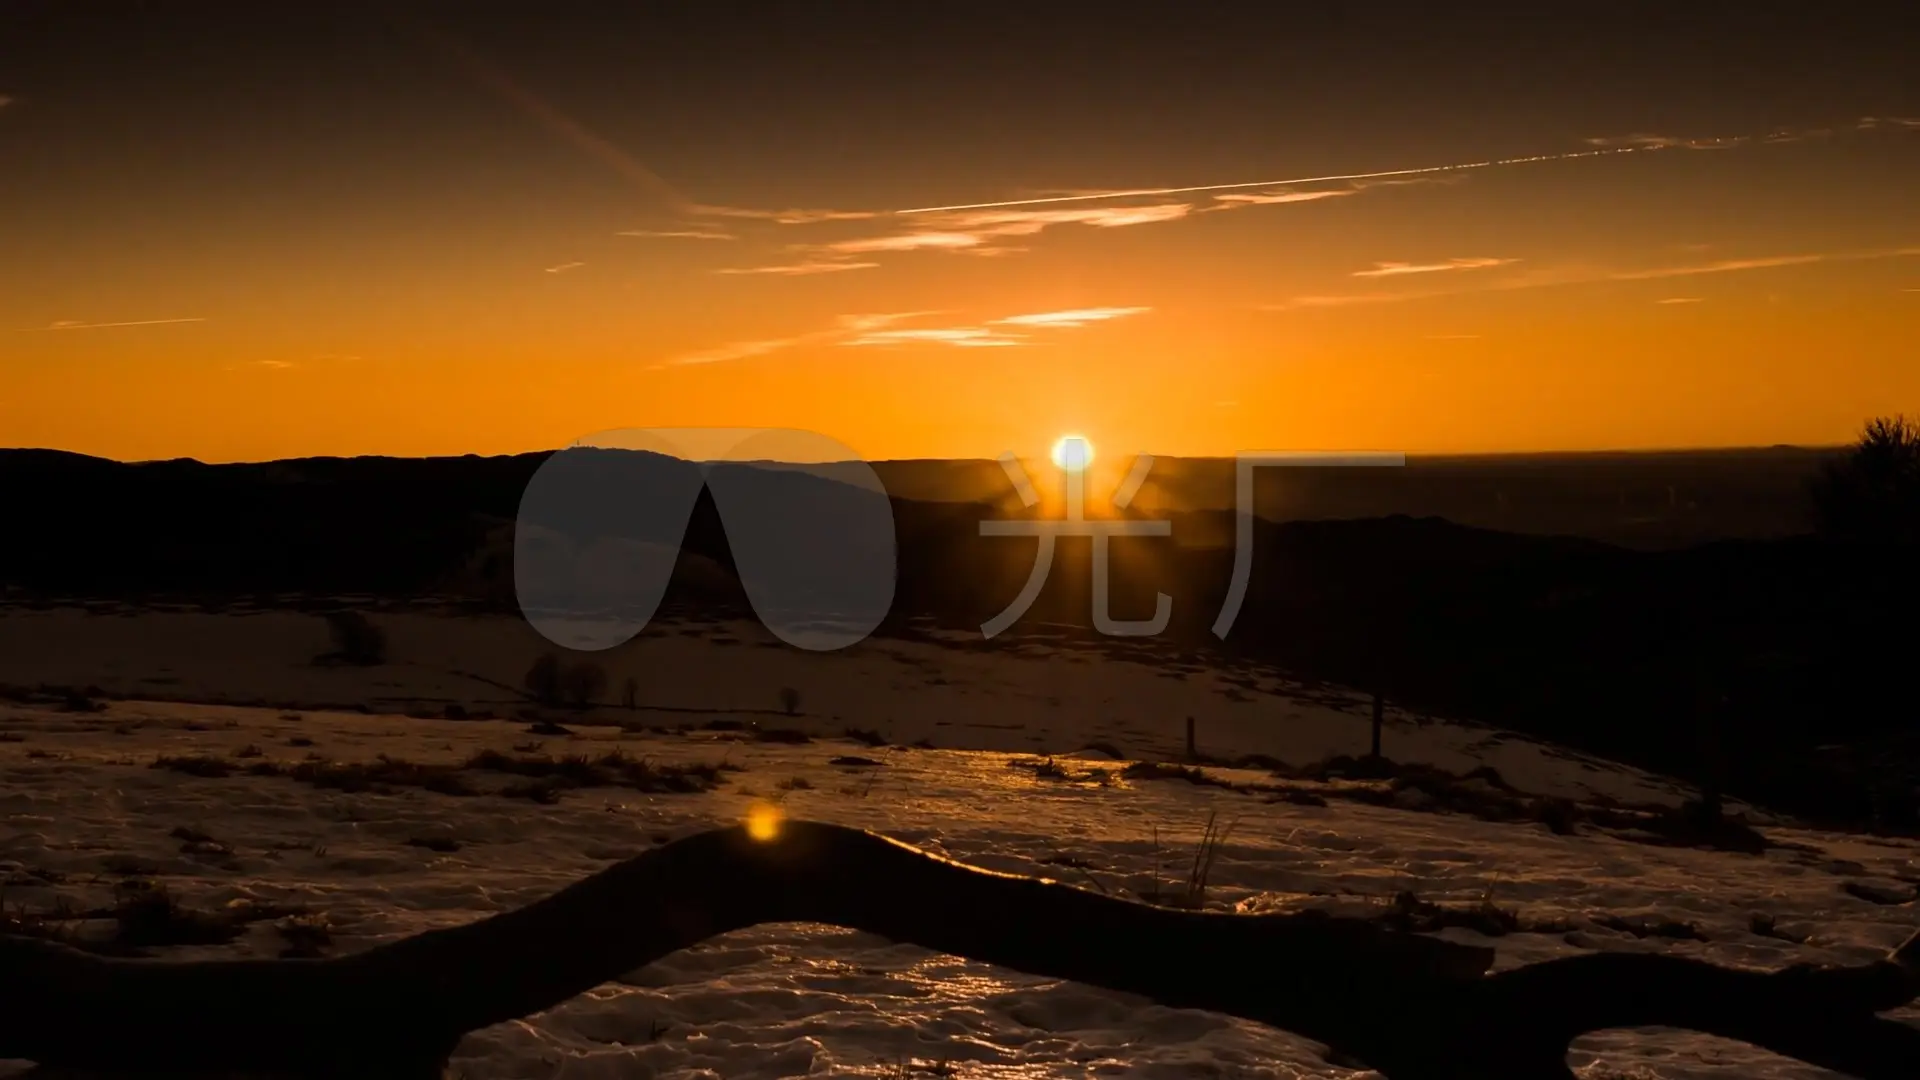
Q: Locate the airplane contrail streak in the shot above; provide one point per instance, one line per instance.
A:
(1383, 174)
(544, 114)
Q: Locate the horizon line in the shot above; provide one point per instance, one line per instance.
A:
(1411, 455)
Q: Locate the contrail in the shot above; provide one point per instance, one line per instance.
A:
(1425, 170)
(539, 111)
(104, 325)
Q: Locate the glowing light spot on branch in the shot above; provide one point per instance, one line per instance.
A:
(763, 822)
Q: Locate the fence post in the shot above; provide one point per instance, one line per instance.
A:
(1379, 713)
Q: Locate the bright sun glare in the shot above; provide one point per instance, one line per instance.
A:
(1073, 453)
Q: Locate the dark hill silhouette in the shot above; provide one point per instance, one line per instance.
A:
(1800, 644)
(1646, 501)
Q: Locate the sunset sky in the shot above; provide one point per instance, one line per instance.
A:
(247, 232)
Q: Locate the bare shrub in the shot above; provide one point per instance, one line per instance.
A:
(545, 680)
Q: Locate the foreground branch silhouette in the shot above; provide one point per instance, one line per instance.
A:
(1412, 1007)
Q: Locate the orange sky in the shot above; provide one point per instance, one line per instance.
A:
(477, 253)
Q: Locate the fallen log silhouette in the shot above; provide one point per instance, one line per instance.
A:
(1412, 1007)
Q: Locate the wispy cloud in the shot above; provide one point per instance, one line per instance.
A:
(1004, 228)
(989, 228)
(679, 234)
(1073, 317)
(854, 323)
(1294, 181)
(1288, 189)
(991, 334)
(784, 217)
(1277, 198)
(962, 336)
(1028, 222)
(1724, 266)
(1396, 269)
(1643, 141)
(746, 350)
(1869, 123)
(986, 232)
(913, 241)
(289, 365)
(69, 324)
(977, 233)
(800, 269)
(738, 350)
(1343, 300)
(1681, 300)
(1587, 275)
(873, 330)
(564, 267)
(1788, 136)
(1601, 146)
(1238, 200)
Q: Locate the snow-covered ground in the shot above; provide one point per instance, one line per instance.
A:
(1036, 694)
(82, 807)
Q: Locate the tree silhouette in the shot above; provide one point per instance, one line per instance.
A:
(1873, 493)
(583, 683)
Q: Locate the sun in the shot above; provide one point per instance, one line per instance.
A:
(1073, 453)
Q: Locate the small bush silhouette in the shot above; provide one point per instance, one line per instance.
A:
(356, 640)
(1873, 493)
(789, 700)
(545, 680)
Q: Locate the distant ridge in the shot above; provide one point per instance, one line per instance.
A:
(1639, 499)
(1570, 636)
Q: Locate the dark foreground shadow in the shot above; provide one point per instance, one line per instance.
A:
(1412, 1007)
